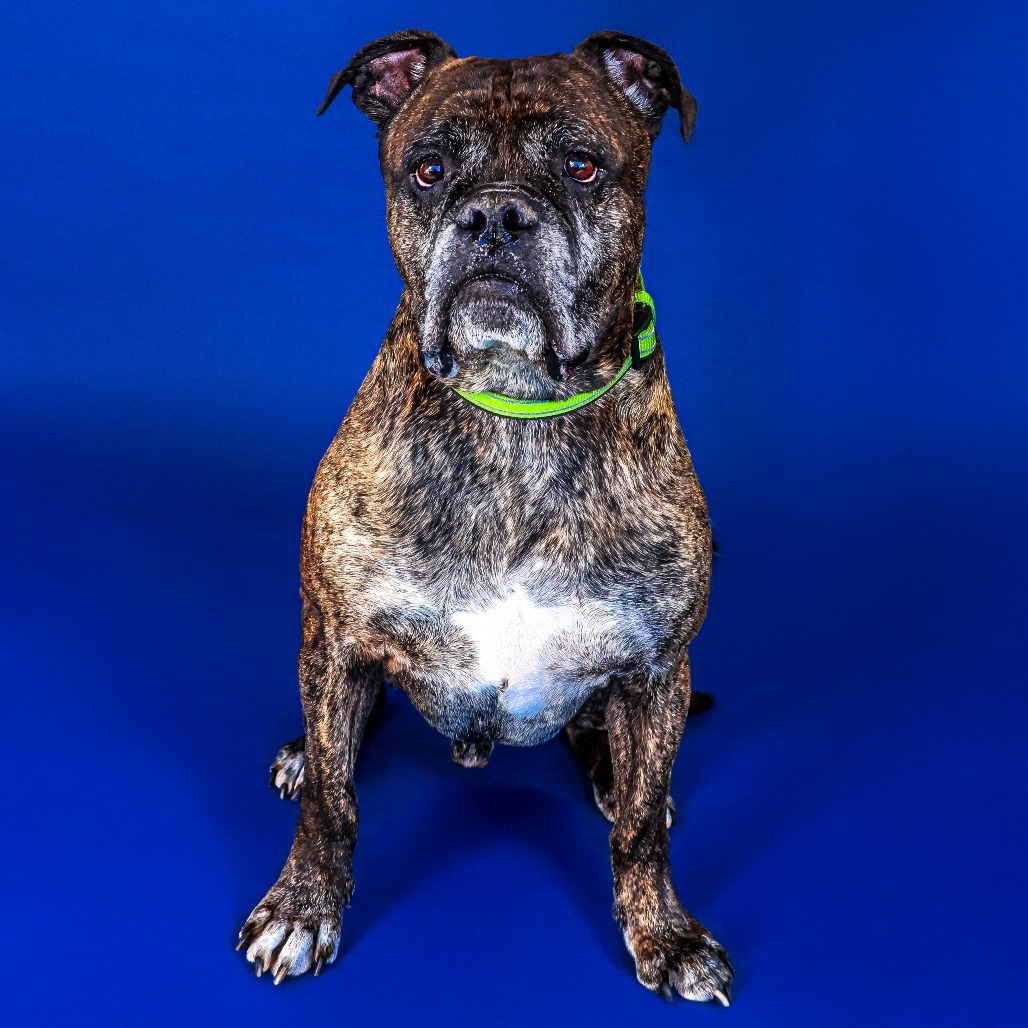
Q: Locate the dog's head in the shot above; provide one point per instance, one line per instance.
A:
(515, 199)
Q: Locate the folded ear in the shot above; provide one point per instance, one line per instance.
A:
(645, 74)
(385, 73)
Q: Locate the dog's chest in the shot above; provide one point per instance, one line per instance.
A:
(517, 661)
(519, 642)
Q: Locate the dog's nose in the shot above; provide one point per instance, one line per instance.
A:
(496, 219)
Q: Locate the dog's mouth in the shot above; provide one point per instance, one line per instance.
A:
(492, 277)
(500, 333)
(497, 300)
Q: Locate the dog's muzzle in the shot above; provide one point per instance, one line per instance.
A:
(490, 283)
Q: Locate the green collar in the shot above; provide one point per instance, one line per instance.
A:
(644, 342)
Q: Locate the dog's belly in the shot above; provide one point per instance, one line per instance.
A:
(516, 667)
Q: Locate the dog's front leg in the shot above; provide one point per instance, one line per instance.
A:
(296, 926)
(672, 950)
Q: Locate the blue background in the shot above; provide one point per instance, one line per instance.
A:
(195, 280)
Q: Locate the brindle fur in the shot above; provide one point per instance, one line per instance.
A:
(426, 507)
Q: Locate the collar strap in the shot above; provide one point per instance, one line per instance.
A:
(644, 342)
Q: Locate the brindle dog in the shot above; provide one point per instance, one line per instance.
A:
(513, 576)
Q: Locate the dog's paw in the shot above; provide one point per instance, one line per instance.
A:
(287, 771)
(605, 802)
(681, 957)
(292, 930)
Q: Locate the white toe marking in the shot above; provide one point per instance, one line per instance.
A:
(328, 933)
(294, 956)
(266, 942)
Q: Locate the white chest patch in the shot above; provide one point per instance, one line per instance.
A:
(515, 643)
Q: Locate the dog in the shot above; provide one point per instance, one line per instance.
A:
(507, 526)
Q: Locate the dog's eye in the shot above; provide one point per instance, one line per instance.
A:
(429, 172)
(580, 167)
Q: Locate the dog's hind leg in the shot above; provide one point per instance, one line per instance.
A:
(296, 926)
(587, 735)
(287, 770)
(673, 952)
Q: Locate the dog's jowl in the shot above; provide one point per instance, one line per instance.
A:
(507, 526)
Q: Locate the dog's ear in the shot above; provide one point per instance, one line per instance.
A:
(385, 73)
(645, 74)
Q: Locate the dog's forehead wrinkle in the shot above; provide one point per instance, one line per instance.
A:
(458, 134)
(553, 91)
